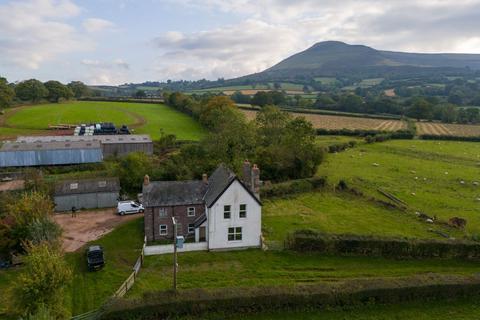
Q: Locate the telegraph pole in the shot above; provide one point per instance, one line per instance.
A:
(174, 254)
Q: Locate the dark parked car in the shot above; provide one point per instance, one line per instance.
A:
(95, 258)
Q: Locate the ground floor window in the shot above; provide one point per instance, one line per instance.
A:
(191, 228)
(235, 234)
(163, 230)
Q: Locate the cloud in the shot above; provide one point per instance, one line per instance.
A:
(233, 50)
(283, 27)
(106, 72)
(34, 31)
(94, 25)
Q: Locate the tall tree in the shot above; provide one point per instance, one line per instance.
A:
(57, 91)
(6, 93)
(80, 89)
(420, 109)
(42, 281)
(31, 90)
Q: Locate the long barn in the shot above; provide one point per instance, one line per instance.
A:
(22, 154)
(112, 145)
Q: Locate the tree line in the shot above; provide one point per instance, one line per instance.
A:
(283, 146)
(35, 91)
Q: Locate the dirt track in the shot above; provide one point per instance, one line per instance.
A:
(88, 226)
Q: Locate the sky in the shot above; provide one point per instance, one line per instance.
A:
(113, 42)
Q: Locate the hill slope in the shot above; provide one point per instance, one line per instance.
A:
(337, 58)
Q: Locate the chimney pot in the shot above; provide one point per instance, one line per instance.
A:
(205, 178)
(146, 180)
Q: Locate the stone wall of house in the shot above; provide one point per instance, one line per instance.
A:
(157, 216)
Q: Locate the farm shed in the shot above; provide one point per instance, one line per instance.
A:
(86, 193)
(26, 154)
(119, 145)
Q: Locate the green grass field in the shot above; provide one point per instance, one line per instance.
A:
(466, 309)
(273, 268)
(144, 118)
(427, 175)
(339, 213)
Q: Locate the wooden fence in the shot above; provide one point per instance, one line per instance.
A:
(126, 285)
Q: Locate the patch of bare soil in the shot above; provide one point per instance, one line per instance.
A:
(12, 185)
(88, 226)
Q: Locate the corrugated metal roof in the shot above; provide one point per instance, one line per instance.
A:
(105, 139)
(79, 186)
(51, 153)
(33, 146)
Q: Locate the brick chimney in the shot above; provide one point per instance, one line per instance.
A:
(146, 180)
(205, 178)
(247, 174)
(256, 180)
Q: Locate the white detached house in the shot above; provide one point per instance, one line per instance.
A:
(223, 210)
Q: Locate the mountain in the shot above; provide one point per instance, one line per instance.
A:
(334, 58)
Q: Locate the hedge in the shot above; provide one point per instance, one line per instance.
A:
(292, 187)
(450, 138)
(400, 134)
(309, 240)
(244, 300)
(338, 147)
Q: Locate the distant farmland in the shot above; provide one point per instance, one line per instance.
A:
(331, 122)
(447, 129)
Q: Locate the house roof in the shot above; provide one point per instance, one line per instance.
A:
(173, 193)
(79, 186)
(217, 183)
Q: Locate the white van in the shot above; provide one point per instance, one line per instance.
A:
(129, 207)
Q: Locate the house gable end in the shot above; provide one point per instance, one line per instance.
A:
(228, 186)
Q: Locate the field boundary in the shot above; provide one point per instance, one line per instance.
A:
(350, 292)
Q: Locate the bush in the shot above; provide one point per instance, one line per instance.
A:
(308, 240)
(293, 187)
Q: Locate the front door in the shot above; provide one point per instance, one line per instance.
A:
(202, 237)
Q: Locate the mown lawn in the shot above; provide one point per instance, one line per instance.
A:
(339, 213)
(272, 268)
(122, 247)
(427, 175)
(144, 118)
(466, 309)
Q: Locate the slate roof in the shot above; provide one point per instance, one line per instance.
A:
(79, 186)
(220, 179)
(173, 193)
